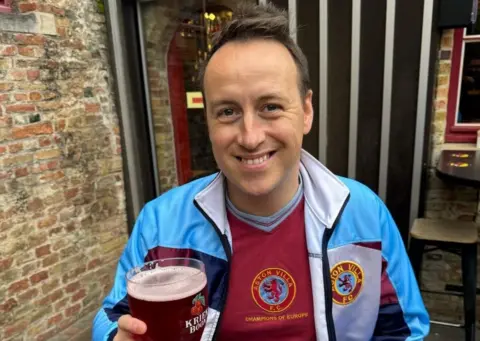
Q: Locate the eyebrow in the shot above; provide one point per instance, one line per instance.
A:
(262, 98)
(221, 102)
(269, 96)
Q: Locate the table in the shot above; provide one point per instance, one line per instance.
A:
(460, 166)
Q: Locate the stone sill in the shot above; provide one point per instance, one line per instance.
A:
(38, 22)
(459, 146)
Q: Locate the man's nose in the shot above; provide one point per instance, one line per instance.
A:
(252, 132)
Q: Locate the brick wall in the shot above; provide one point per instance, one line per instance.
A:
(445, 202)
(62, 205)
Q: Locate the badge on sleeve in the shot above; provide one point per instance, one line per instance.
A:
(347, 282)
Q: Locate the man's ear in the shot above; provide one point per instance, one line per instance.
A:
(307, 112)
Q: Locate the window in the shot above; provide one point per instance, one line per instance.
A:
(463, 112)
(5, 6)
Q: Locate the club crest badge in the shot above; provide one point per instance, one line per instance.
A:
(274, 290)
(347, 282)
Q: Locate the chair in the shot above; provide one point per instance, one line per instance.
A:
(458, 237)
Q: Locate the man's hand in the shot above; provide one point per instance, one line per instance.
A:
(128, 327)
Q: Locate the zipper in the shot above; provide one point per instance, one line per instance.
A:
(328, 286)
(326, 276)
(228, 252)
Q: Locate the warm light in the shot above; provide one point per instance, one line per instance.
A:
(206, 15)
(212, 17)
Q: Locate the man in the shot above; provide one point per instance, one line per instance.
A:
(292, 252)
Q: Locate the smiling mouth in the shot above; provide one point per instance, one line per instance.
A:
(255, 161)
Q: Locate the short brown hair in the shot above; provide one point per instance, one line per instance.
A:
(260, 22)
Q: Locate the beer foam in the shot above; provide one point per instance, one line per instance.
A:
(165, 284)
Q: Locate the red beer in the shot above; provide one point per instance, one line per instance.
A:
(170, 296)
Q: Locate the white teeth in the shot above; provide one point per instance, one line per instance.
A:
(256, 161)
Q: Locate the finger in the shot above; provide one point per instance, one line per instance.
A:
(132, 325)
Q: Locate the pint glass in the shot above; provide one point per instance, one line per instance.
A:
(170, 296)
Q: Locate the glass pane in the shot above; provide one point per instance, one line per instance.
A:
(177, 37)
(469, 107)
(475, 30)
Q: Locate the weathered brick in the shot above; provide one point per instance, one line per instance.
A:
(17, 160)
(38, 277)
(79, 295)
(15, 329)
(47, 335)
(51, 298)
(5, 63)
(27, 7)
(5, 121)
(18, 286)
(44, 166)
(92, 107)
(94, 263)
(36, 239)
(20, 108)
(50, 285)
(52, 176)
(26, 51)
(47, 154)
(31, 86)
(21, 97)
(28, 295)
(3, 149)
(32, 130)
(47, 222)
(62, 31)
(8, 50)
(21, 172)
(29, 39)
(74, 274)
(5, 264)
(8, 305)
(4, 98)
(35, 205)
(43, 251)
(54, 320)
(72, 287)
(73, 310)
(35, 96)
(50, 260)
(17, 75)
(443, 80)
(63, 22)
(69, 251)
(6, 87)
(61, 304)
(44, 142)
(71, 193)
(15, 148)
(33, 75)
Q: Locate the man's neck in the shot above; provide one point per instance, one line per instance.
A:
(263, 205)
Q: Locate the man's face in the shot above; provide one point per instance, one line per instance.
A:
(256, 116)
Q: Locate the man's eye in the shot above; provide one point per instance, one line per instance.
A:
(271, 107)
(226, 112)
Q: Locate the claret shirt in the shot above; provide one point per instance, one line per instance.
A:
(269, 292)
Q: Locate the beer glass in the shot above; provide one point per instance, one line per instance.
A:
(170, 296)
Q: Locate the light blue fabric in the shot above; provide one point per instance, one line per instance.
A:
(174, 221)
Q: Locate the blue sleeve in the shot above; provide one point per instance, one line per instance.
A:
(402, 314)
(116, 304)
